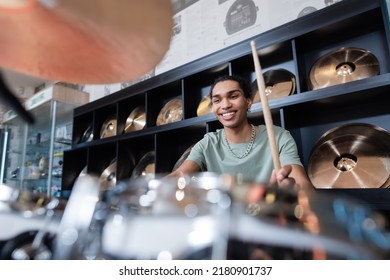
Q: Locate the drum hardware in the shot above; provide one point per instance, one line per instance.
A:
(29, 223)
(171, 112)
(208, 213)
(343, 65)
(318, 224)
(354, 155)
(74, 228)
(37, 249)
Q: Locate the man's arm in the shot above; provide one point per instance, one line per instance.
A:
(187, 167)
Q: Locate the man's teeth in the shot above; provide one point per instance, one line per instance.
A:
(228, 114)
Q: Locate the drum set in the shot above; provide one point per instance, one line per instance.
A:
(200, 216)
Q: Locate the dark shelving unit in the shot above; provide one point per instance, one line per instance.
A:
(307, 114)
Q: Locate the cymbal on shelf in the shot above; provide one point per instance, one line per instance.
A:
(204, 106)
(351, 156)
(343, 65)
(108, 177)
(145, 166)
(171, 112)
(278, 83)
(136, 120)
(87, 135)
(108, 128)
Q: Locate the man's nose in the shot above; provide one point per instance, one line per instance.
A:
(225, 103)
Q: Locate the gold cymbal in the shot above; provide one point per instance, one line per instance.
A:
(351, 156)
(87, 42)
(87, 135)
(136, 120)
(146, 165)
(204, 106)
(343, 65)
(278, 83)
(109, 128)
(108, 176)
(171, 112)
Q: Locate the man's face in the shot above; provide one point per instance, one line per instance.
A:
(229, 103)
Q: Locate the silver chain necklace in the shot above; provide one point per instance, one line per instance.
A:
(250, 145)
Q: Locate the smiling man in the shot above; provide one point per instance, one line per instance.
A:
(242, 149)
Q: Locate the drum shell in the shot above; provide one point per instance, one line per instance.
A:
(174, 218)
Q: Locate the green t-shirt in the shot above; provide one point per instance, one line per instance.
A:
(213, 155)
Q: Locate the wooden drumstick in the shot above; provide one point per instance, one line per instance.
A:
(266, 109)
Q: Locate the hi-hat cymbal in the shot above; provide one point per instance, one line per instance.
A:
(87, 42)
(108, 128)
(108, 176)
(351, 156)
(204, 106)
(171, 112)
(136, 120)
(278, 83)
(343, 65)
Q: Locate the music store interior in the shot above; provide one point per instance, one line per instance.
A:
(101, 100)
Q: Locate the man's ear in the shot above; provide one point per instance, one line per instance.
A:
(249, 102)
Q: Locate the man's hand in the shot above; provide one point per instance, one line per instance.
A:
(281, 177)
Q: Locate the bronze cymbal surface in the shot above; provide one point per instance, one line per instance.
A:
(278, 83)
(136, 120)
(343, 65)
(204, 106)
(145, 166)
(171, 112)
(87, 135)
(108, 128)
(108, 176)
(86, 42)
(351, 156)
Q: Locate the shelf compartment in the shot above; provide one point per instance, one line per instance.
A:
(170, 147)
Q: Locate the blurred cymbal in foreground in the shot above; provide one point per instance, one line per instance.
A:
(89, 41)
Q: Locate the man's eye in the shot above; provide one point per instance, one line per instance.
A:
(216, 101)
